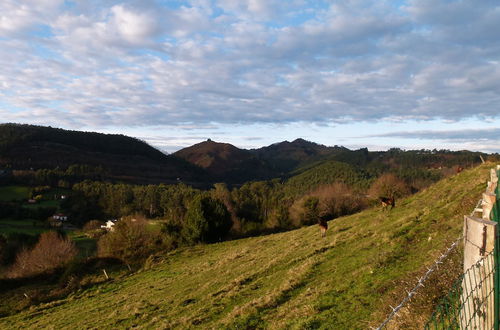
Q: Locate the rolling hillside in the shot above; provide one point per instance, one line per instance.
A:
(29, 147)
(288, 280)
(326, 173)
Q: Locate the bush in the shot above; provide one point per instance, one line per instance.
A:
(389, 185)
(93, 229)
(92, 225)
(337, 199)
(130, 241)
(305, 211)
(51, 251)
(12, 243)
(326, 202)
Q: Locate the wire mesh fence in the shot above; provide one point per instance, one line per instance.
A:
(473, 302)
(469, 303)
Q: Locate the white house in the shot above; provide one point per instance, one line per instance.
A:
(109, 225)
(60, 217)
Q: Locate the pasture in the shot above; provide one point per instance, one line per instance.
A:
(25, 226)
(290, 280)
(10, 193)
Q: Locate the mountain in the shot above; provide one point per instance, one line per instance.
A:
(226, 162)
(295, 279)
(29, 147)
(284, 160)
(287, 156)
(233, 165)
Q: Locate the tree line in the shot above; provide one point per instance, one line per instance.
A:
(189, 216)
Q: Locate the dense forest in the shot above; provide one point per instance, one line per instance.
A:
(28, 149)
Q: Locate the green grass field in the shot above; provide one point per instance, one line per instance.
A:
(9, 193)
(30, 227)
(22, 193)
(86, 246)
(291, 280)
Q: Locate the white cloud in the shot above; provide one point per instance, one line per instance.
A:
(250, 9)
(133, 26)
(135, 63)
(20, 16)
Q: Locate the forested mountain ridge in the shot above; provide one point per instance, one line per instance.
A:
(286, 159)
(287, 156)
(117, 157)
(226, 162)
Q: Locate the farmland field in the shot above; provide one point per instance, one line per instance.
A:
(9, 193)
(26, 226)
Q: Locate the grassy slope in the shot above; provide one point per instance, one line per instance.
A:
(293, 279)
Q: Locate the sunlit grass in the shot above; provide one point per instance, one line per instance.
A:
(294, 279)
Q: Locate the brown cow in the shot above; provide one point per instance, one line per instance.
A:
(323, 227)
(386, 201)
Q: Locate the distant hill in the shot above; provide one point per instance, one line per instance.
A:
(287, 159)
(284, 157)
(280, 160)
(123, 158)
(26, 147)
(226, 162)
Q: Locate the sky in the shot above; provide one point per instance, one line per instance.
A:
(377, 74)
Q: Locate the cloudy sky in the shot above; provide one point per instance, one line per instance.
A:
(380, 74)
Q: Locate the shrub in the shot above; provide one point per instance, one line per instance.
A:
(130, 241)
(12, 243)
(337, 200)
(92, 225)
(389, 185)
(93, 229)
(326, 202)
(51, 251)
(305, 211)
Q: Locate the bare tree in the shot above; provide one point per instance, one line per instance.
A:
(390, 186)
(51, 251)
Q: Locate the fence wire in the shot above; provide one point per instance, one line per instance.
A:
(469, 303)
(420, 283)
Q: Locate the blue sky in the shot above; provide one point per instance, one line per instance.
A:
(376, 74)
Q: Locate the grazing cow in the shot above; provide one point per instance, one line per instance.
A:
(459, 169)
(386, 201)
(323, 227)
